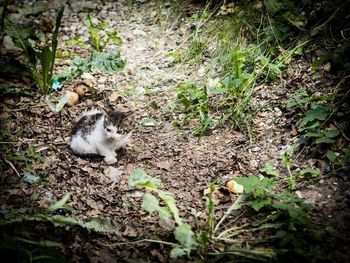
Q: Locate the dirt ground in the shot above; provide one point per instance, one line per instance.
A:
(185, 164)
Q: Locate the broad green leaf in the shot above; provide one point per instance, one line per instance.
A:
(154, 105)
(310, 127)
(165, 214)
(314, 134)
(140, 178)
(258, 204)
(60, 204)
(287, 156)
(310, 172)
(331, 133)
(150, 203)
(249, 183)
(319, 112)
(169, 200)
(185, 236)
(177, 252)
(34, 9)
(103, 226)
(331, 156)
(269, 170)
(30, 52)
(45, 60)
(325, 140)
(237, 83)
(116, 39)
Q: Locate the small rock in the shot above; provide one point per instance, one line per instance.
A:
(72, 98)
(327, 67)
(278, 112)
(89, 102)
(298, 193)
(29, 178)
(264, 157)
(139, 33)
(86, 75)
(102, 80)
(256, 149)
(294, 132)
(253, 164)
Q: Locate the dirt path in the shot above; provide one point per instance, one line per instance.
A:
(185, 164)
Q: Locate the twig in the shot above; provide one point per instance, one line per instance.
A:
(8, 142)
(21, 109)
(142, 241)
(13, 167)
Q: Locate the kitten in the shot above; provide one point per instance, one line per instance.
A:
(96, 135)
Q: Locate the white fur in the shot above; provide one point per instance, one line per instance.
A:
(99, 141)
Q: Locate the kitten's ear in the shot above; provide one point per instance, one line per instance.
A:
(107, 121)
(117, 117)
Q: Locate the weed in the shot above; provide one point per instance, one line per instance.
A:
(100, 37)
(46, 56)
(189, 241)
(317, 123)
(194, 102)
(8, 90)
(31, 250)
(228, 98)
(183, 233)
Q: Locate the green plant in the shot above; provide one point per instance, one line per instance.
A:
(288, 216)
(98, 61)
(45, 57)
(189, 241)
(22, 249)
(226, 100)
(194, 102)
(27, 158)
(10, 90)
(182, 232)
(97, 30)
(287, 160)
(320, 125)
(27, 249)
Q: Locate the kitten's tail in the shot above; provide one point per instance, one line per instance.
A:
(91, 156)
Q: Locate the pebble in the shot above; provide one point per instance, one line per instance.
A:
(253, 164)
(264, 158)
(278, 112)
(102, 80)
(256, 149)
(139, 33)
(298, 193)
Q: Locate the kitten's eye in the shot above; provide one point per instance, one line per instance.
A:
(108, 129)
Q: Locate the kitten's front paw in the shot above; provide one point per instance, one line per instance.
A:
(110, 160)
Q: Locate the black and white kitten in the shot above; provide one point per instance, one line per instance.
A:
(97, 134)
